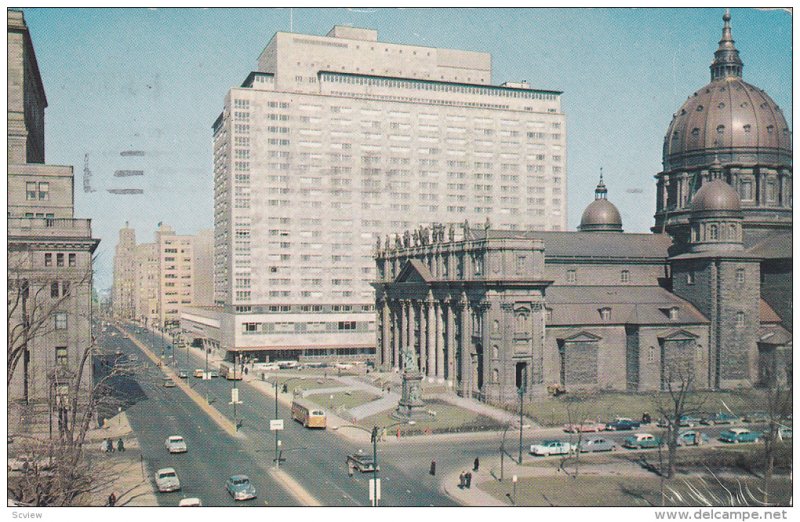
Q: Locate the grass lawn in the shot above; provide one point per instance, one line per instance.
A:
(449, 418)
(621, 490)
(304, 382)
(343, 400)
(553, 411)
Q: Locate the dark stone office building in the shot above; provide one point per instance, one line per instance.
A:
(708, 294)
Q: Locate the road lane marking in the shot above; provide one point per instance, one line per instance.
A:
(295, 489)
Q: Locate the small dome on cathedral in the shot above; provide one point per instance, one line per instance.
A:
(601, 215)
(714, 196)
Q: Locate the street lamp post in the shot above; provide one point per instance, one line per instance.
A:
(277, 459)
(503, 451)
(374, 435)
(235, 398)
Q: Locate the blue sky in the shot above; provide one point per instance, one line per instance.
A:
(154, 80)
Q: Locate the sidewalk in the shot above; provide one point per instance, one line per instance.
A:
(124, 473)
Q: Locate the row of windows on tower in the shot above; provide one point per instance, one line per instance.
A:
(72, 260)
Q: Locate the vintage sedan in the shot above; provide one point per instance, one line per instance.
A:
(737, 435)
(586, 426)
(167, 480)
(692, 438)
(622, 424)
(755, 416)
(240, 487)
(596, 444)
(720, 418)
(641, 441)
(175, 444)
(362, 462)
(686, 421)
(552, 447)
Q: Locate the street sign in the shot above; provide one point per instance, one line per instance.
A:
(206, 376)
(372, 490)
(235, 396)
(276, 425)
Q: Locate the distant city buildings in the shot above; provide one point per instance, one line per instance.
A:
(707, 304)
(334, 142)
(154, 281)
(49, 255)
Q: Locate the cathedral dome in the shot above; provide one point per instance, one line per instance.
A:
(729, 117)
(716, 196)
(601, 214)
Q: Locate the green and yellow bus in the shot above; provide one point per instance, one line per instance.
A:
(308, 414)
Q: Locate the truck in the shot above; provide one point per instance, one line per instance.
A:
(230, 371)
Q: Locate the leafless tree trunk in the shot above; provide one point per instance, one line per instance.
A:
(779, 405)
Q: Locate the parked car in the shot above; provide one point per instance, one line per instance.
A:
(785, 433)
(169, 383)
(586, 426)
(198, 373)
(622, 424)
(267, 367)
(737, 435)
(214, 374)
(362, 462)
(692, 438)
(190, 502)
(686, 421)
(641, 441)
(240, 487)
(756, 416)
(183, 374)
(343, 366)
(597, 444)
(720, 418)
(167, 480)
(175, 444)
(287, 364)
(552, 447)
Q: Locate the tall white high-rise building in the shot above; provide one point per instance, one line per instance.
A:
(338, 140)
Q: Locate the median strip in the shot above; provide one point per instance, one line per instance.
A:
(294, 488)
(212, 412)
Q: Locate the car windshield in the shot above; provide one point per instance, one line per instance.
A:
(167, 474)
(241, 482)
(176, 439)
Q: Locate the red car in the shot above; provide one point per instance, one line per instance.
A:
(586, 426)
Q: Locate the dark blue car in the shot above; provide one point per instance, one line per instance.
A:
(622, 424)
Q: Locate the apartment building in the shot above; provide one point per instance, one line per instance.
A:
(124, 285)
(49, 256)
(338, 140)
(165, 275)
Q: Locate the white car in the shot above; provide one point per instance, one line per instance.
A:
(175, 444)
(167, 480)
(190, 502)
(552, 447)
(343, 366)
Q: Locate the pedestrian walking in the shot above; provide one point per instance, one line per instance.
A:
(112, 499)
(468, 478)
(433, 467)
(109, 446)
(350, 470)
(462, 479)
(120, 445)
(476, 464)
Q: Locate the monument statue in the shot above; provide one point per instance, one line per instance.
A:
(452, 232)
(409, 359)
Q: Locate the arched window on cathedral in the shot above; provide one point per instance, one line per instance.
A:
(732, 233)
(495, 352)
(495, 375)
(522, 322)
(713, 232)
(495, 326)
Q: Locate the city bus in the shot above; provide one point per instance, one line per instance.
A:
(227, 370)
(308, 414)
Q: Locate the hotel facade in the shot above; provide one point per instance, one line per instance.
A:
(336, 141)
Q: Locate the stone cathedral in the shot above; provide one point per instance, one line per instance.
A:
(709, 292)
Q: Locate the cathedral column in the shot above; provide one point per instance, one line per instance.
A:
(430, 369)
(410, 327)
(404, 328)
(439, 342)
(423, 337)
(450, 372)
(464, 348)
(396, 329)
(385, 333)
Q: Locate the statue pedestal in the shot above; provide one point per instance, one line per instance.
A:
(411, 406)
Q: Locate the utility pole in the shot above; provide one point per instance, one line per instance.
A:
(206, 376)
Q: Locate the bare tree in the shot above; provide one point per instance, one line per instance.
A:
(677, 400)
(578, 406)
(779, 406)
